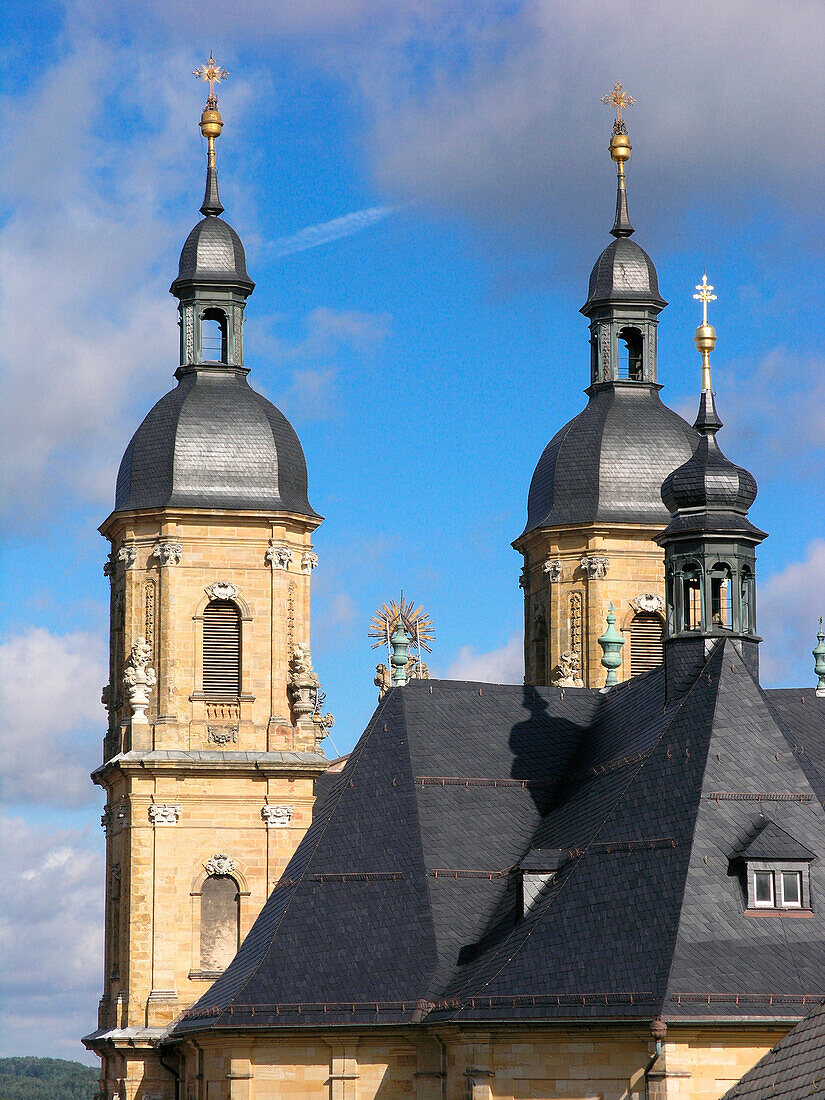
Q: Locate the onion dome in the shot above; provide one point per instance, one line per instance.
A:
(213, 442)
(608, 463)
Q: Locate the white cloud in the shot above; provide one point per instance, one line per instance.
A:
(789, 605)
(51, 940)
(327, 232)
(51, 718)
(498, 666)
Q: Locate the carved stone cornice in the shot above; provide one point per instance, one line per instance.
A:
(164, 813)
(552, 569)
(308, 561)
(595, 566)
(127, 555)
(279, 557)
(277, 817)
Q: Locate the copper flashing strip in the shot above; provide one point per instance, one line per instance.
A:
(472, 781)
(748, 998)
(779, 913)
(356, 876)
(751, 796)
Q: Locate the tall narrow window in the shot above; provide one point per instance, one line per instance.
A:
(646, 640)
(540, 652)
(721, 596)
(219, 922)
(213, 336)
(746, 612)
(630, 354)
(221, 650)
(691, 598)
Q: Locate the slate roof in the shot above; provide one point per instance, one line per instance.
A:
(608, 463)
(794, 1069)
(771, 842)
(400, 903)
(212, 253)
(623, 272)
(214, 442)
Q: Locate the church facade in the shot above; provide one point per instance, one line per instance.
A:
(537, 891)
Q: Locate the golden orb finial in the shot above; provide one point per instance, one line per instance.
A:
(705, 337)
(620, 146)
(211, 122)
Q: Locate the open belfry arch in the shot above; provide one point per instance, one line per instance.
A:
(594, 505)
(213, 740)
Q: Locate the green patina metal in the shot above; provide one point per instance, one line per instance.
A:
(400, 643)
(611, 642)
(819, 657)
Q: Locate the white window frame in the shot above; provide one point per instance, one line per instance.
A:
(790, 904)
(764, 904)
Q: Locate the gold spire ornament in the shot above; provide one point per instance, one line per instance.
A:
(619, 142)
(211, 122)
(705, 337)
(617, 97)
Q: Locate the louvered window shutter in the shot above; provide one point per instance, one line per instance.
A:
(646, 642)
(221, 650)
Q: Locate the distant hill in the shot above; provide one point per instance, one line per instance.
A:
(46, 1079)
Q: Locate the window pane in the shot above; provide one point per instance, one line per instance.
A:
(791, 888)
(763, 887)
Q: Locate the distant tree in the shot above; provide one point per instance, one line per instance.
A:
(46, 1079)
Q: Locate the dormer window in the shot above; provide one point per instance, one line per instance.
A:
(777, 872)
(536, 873)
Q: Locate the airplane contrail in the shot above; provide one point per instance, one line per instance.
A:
(334, 230)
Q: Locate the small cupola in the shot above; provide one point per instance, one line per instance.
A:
(623, 299)
(710, 544)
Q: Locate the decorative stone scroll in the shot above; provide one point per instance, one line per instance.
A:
(127, 555)
(149, 613)
(221, 590)
(138, 678)
(168, 553)
(277, 817)
(552, 569)
(308, 561)
(595, 567)
(222, 735)
(576, 622)
(648, 601)
(164, 813)
(219, 864)
(279, 557)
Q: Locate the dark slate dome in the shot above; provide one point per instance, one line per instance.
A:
(213, 442)
(708, 481)
(624, 272)
(213, 253)
(609, 462)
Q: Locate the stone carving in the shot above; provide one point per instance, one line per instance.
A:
(188, 331)
(223, 713)
(567, 671)
(303, 683)
(648, 601)
(164, 813)
(323, 724)
(168, 553)
(279, 557)
(220, 864)
(109, 566)
(237, 324)
(128, 555)
(383, 680)
(138, 678)
(221, 590)
(576, 622)
(552, 569)
(106, 696)
(149, 613)
(524, 580)
(290, 618)
(308, 561)
(417, 669)
(222, 735)
(605, 353)
(277, 817)
(595, 567)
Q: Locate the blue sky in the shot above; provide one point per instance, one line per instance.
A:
(422, 188)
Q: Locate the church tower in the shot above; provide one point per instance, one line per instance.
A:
(594, 505)
(214, 734)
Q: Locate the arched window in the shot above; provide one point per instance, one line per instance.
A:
(220, 922)
(221, 650)
(630, 354)
(646, 642)
(213, 336)
(540, 652)
(691, 597)
(721, 597)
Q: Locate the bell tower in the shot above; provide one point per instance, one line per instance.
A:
(214, 735)
(594, 505)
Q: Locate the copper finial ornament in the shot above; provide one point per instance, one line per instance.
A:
(705, 338)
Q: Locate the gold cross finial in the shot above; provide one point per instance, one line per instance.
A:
(619, 99)
(704, 296)
(212, 73)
